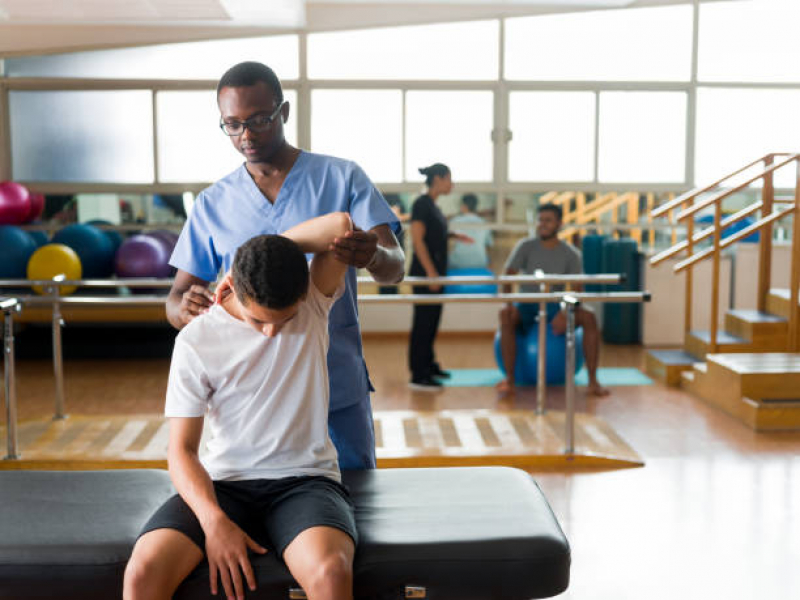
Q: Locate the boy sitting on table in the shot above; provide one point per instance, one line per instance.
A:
(256, 365)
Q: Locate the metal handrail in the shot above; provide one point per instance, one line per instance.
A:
(589, 279)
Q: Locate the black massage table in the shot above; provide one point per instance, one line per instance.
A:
(455, 533)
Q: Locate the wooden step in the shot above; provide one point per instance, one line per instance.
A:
(757, 326)
(667, 365)
(759, 389)
(778, 302)
(698, 343)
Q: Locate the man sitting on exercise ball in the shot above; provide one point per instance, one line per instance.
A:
(554, 257)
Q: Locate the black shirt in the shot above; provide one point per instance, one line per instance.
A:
(424, 209)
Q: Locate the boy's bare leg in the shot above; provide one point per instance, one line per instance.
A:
(321, 560)
(161, 560)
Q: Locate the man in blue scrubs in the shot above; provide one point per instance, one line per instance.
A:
(276, 188)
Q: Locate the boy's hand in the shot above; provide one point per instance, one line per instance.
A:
(356, 247)
(464, 238)
(226, 549)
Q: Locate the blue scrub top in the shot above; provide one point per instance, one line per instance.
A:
(233, 210)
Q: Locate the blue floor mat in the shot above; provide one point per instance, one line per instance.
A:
(612, 376)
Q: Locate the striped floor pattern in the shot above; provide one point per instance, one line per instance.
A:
(403, 439)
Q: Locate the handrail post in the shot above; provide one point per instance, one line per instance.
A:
(715, 278)
(633, 216)
(10, 306)
(765, 243)
(58, 357)
(794, 313)
(570, 304)
(687, 315)
(541, 357)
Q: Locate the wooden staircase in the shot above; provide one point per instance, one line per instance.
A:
(746, 331)
(752, 367)
(762, 390)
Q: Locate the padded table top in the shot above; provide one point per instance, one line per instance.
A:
(462, 533)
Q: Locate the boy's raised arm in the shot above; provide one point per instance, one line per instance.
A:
(317, 235)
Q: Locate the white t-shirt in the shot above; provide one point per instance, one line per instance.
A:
(265, 399)
(470, 256)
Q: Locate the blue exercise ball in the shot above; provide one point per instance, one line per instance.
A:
(16, 248)
(94, 248)
(467, 288)
(526, 364)
(114, 236)
(40, 237)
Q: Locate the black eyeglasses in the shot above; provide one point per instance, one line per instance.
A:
(258, 124)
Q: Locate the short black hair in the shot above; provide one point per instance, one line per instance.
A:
(250, 73)
(435, 170)
(470, 201)
(270, 270)
(553, 208)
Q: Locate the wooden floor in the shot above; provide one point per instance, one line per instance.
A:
(715, 512)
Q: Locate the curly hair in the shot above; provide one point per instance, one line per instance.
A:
(250, 73)
(270, 270)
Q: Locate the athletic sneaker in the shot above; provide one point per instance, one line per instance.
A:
(425, 384)
(436, 371)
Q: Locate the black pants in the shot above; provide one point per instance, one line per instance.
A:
(424, 327)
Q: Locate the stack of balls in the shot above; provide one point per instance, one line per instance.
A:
(79, 251)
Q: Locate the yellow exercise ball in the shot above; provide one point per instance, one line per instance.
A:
(51, 260)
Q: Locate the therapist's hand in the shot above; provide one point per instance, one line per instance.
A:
(356, 247)
(194, 302)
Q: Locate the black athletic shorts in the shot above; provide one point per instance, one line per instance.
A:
(271, 511)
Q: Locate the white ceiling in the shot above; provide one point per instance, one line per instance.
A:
(46, 26)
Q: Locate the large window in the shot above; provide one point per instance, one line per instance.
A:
(553, 136)
(191, 60)
(450, 127)
(736, 126)
(642, 137)
(453, 51)
(97, 136)
(645, 44)
(749, 41)
(361, 125)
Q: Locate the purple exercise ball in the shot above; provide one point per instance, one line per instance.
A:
(168, 237)
(143, 256)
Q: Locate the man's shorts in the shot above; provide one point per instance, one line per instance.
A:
(529, 314)
(271, 511)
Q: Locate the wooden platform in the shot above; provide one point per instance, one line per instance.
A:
(762, 390)
(667, 365)
(515, 438)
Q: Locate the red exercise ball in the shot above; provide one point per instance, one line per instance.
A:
(15, 203)
(37, 207)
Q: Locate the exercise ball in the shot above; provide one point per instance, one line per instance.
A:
(16, 248)
(468, 288)
(55, 259)
(39, 236)
(93, 247)
(526, 364)
(143, 256)
(114, 236)
(15, 203)
(37, 207)
(168, 237)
